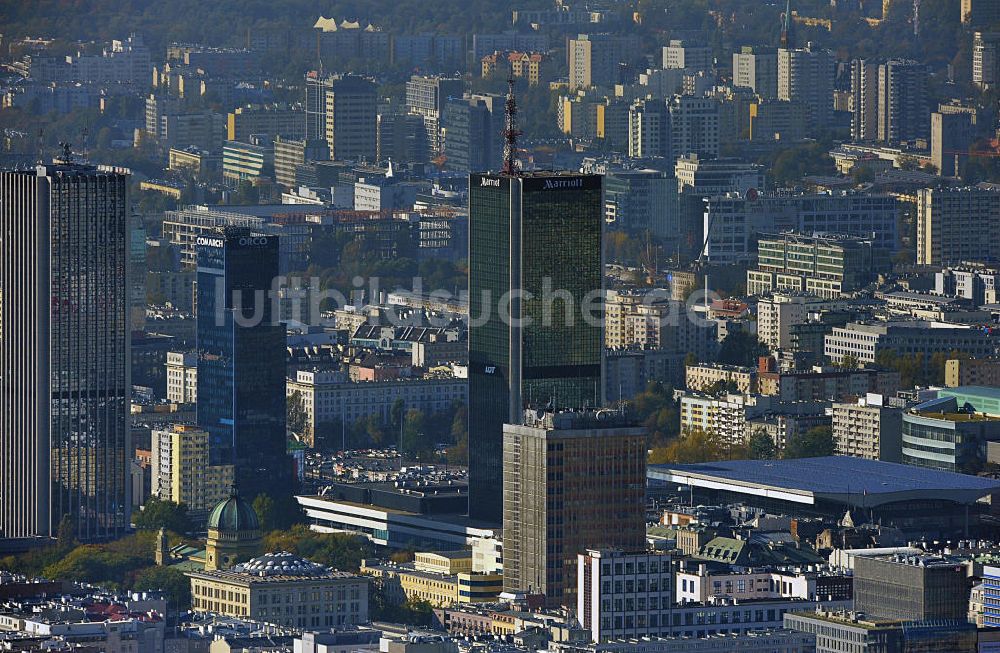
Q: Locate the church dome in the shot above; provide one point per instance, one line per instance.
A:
(233, 515)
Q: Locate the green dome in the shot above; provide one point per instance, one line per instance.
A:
(233, 514)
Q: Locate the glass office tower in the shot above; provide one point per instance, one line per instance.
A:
(64, 352)
(241, 358)
(534, 239)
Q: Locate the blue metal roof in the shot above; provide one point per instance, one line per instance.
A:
(830, 475)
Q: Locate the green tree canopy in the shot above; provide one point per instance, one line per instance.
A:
(162, 513)
(817, 441)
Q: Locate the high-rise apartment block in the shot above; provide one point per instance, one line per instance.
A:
(572, 482)
(596, 59)
(864, 100)
(806, 75)
(757, 69)
(902, 101)
(952, 133)
(985, 59)
(957, 224)
(868, 429)
(181, 471)
(530, 235)
(350, 119)
(64, 351)
(687, 56)
(241, 364)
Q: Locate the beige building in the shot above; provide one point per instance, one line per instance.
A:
(440, 578)
(329, 397)
(181, 472)
(868, 429)
(699, 378)
(777, 314)
(182, 377)
(969, 371)
(282, 589)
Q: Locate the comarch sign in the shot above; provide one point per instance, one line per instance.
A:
(209, 242)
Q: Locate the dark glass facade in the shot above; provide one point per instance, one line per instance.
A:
(64, 351)
(241, 359)
(539, 234)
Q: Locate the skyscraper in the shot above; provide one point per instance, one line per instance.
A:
(757, 68)
(572, 481)
(64, 351)
(532, 236)
(241, 358)
(351, 117)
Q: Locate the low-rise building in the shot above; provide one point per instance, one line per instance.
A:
(864, 341)
(435, 578)
(942, 434)
(182, 377)
(969, 371)
(622, 594)
(282, 589)
(854, 632)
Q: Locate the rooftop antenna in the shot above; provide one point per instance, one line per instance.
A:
(39, 144)
(510, 131)
(85, 133)
(786, 24)
(67, 152)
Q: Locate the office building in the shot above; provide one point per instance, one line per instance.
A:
(865, 341)
(868, 429)
(951, 137)
(777, 313)
(471, 127)
(271, 119)
(980, 13)
(943, 434)
(732, 222)
(64, 351)
(331, 398)
(571, 482)
(778, 120)
(426, 97)
(704, 177)
(911, 587)
(966, 371)
(241, 363)
(957, 224)
(640, 201)
(402, 137)
(902, 102)
(315, 106)
(248, 162)
(985, 59)
(686, 55)
(350, 119)
(597, 59)
(282, 589)
(289, 154)
(441, 578)
(856, 632)
(181, 471)
(623, 595)
(825, 266)
(536, 233)
(757, 69)
(991, 596)
(806, 75)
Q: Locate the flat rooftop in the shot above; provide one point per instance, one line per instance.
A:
(839, 479)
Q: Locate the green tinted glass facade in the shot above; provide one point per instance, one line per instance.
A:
(539, 234)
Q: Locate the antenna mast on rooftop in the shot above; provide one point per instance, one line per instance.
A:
(510, 131)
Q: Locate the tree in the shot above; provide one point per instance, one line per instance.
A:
(696, 446)
(656, 409)
(418, 442)
(66, 535)
(761, 446)
(161, 513)
(297, 419)
(741, 348)
(817, 441)
(849, 362)
(263, 505)
(172, 581)
(337, 550)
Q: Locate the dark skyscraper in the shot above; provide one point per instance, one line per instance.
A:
(64, 351)
(532, 237)
(241, 358)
